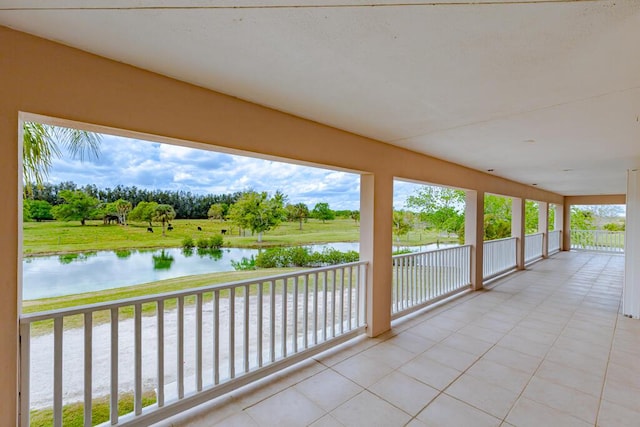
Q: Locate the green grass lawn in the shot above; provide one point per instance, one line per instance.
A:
(54, 237)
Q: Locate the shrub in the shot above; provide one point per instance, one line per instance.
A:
(187, 243)
(216, 241)
(244, 264)
(270, 258)
(202, 243)
(302, 257)
(298, 256)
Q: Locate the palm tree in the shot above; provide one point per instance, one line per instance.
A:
(41, 145)
(164, 214)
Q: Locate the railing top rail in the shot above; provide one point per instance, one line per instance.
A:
(426, 252)
(504, 239)
(51, 314)
(534, 234)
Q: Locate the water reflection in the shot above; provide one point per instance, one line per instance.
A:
(79, 257)
(162, 261)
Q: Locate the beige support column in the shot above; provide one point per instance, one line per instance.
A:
(474, 234)
(558, 221)
(543, 227)
(566, 226)
(517, 229)
(9, 247)
(376, 240)
(631, 288)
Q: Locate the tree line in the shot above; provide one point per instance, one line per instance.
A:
(185, 204)
(248, 210)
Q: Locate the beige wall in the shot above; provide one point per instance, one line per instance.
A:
(610, 199)
(45, 78)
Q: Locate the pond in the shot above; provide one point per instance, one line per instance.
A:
(51, 276)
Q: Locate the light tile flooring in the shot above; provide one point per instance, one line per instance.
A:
(544, 347)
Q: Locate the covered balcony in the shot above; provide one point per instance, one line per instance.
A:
(530, 100)
(543, 347)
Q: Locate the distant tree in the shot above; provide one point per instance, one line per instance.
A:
(77, 206)
(582, 219)
(323, 212)
(614, 226)
(122, 208)
(441, 208)
(38, 210)
(355, 215)
(402, 224)
(164, 214)
(497, 217)
(531, 216)
(258, 212)
(298, 212)
(144, 211)
(216, 211)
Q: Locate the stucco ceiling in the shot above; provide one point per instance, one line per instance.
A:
(544, 92)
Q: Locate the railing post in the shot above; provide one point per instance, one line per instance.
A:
(518, 230)
(543, 227)
(474, 235)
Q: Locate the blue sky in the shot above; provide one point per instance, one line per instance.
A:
(152, 165)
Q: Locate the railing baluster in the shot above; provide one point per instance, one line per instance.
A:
(350, 302)
(325, 304)
(283, 326)
(247, 331)
(272, 320)
(25, 373)
(88, 367)
(305, 321)
(260, 323)
(232, 333)
(342, 280)
(333, 301)
(180, 347)
(216, 337)
(114, 366)
(57, 371)
(160, 339)
(137, 389)
(294, 342)
(199, 303)
(315, 309)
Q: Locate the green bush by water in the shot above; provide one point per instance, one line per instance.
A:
(303, 257)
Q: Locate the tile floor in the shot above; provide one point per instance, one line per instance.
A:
(544, 347)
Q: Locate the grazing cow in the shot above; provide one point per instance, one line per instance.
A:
(170, 227)
(223, 231)
(199, 228)
(149, 230)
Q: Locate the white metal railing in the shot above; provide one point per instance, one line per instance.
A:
(425, 277)
(533, 246)
(554, 241)
(499, 256)
(187, 346)
(598, 240)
